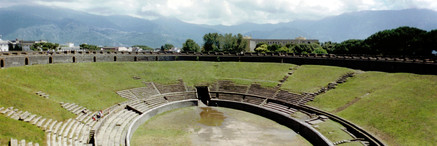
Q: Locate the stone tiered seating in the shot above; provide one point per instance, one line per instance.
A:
(15, 142)
(256, 89)
(113, 129)
(190, 95)
(155, 101)
(139, 105)
(127, 94)
(288, 97)
(74, 108)
(150, 89)
(280, 107)
(238, 98)
(228, 86)
(213, 87)
(253, 100)
(180, 87)
(175, 97)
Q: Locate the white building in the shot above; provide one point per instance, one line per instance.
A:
(128, 49)
(69, 47)
(4, 45)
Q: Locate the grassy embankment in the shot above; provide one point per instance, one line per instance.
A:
(400, 108)
(310, 78)
(93, 85)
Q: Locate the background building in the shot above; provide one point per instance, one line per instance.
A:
(252, 42)
(4, 45)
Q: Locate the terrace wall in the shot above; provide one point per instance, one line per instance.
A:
(367, 63)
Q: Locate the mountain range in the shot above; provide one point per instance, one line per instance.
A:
(65, 25)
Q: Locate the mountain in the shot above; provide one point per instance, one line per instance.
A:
(64, 25)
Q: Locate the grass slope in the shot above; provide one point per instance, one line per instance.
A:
(401, 108)
(94, 85)
(19, 130)
(310, 78)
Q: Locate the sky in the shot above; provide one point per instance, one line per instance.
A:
(228, 12)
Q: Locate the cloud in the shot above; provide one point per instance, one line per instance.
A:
(229, 12)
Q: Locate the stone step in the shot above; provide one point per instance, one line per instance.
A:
(123, 129)
(56, 128)
(73, 130)
(36, 120)
(24, 115)
(48, 139)
(14, 142)
(73, 108)
(29, 118)
(16, 115)
(9, 113)
(69, 105)
(105, 128)
(61, 130)
(85, 134)
(22, 142)
(5, 110)
(78, 131)
(67, 129)
(42, 125)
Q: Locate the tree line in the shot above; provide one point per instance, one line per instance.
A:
(400, 41)
(215, 42)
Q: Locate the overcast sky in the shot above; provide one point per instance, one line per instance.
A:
(228, 12)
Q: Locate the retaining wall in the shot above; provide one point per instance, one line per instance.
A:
(367, 63)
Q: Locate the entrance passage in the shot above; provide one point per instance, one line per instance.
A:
(203, 94)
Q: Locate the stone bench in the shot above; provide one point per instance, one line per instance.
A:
(180, 87)
(288, 97)
(256, 89)
(253, 100)
(127, 94)
(15, 142)
(279, 107)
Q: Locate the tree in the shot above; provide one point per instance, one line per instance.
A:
(143, 47)
(399, 41)
(261, 43)
(166, 47)
(352, 46)
(44, 46)
(329, 46)
(430, 42)
(241, 43)
(89, 47)
(190, 46)
(274, 47)
(262, 48)
(212, 42)
(283, 49)
(227, 42)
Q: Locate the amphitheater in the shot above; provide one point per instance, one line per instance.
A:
(141, 103)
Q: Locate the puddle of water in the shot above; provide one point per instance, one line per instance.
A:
(211, 117)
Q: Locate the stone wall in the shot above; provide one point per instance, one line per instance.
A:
(366, 63)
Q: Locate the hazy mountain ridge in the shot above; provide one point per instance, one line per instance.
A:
(63, 25)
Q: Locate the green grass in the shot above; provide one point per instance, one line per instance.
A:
(333, 132)
(94, 85)
(310, 78)
(19, 130)
(401, 108)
